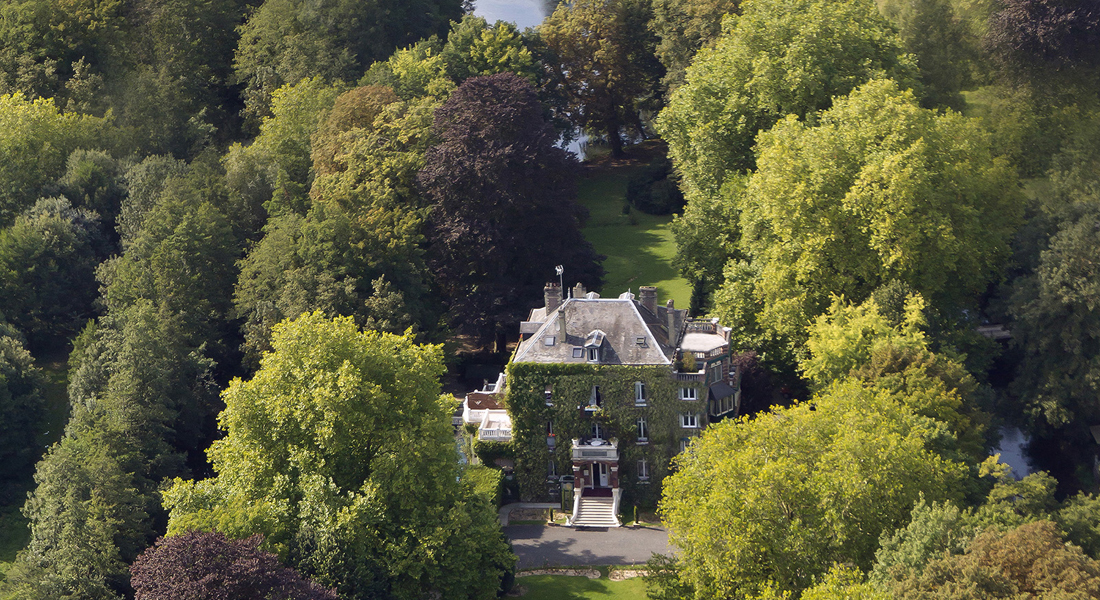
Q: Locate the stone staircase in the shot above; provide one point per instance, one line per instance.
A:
(595, 512)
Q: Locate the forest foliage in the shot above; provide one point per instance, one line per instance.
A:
(248, 225)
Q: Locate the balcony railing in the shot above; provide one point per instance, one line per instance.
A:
(699, 377)
(494, 435)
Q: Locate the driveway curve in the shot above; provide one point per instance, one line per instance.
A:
(556, 546)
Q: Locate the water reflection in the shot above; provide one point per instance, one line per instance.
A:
(524, 13)
(1012, 448)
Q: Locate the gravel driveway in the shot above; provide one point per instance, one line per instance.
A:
(557, 546)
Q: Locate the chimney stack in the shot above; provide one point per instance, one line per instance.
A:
(552, 294)
(561, 324)
(647, 294)
(671, 315)
(579, 291)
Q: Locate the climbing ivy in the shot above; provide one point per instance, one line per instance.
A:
(571, 387)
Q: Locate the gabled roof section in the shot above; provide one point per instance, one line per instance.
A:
(630, 336)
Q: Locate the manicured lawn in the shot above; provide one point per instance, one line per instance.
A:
(639, 247)
(564, 587)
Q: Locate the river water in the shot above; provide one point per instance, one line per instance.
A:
(524, 13)
(1011, 448)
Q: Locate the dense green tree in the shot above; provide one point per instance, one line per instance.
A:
(35, 141)
(685, 26)
(944, 47)
(778, 58)
(775, 500)
(142, 403)
(20, 414)
(285, 41)
(1057, 325)
(1030, 561)
(340, 451)
(47, 270)
(601, 60)
(355, 109)
(474, 47)
(182, 260)
(95, 181)
(879, 190)
(273, 171)
(358, 250)
(502, 211)
(161, 67)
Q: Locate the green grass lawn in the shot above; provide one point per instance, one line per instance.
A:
(639, 247)
(566, 587)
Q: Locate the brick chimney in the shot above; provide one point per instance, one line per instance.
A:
(552, 294)
(647, 295)
(671, 315)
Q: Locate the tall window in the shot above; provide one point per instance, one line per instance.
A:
(643, 470)
(593, 355)
(684, 444)
(689, 420)
(639, 393)
(689, 393)
(643, 430)
(595, 400)
(549, 395)
(597, 430)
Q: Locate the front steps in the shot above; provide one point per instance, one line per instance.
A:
(595, 512)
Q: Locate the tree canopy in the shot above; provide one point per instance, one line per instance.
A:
(777, 58)
(880, 189)
(789, 492)
(601, 61)
(208, 566)
(340, 451)
(502, 204)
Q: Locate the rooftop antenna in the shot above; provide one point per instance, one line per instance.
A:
(559, 270)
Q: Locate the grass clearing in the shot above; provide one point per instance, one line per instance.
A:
(566, 587)
(639, 247)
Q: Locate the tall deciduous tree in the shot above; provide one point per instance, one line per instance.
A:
(775, 500)
(778, 58)
(340, 451)
(685, 26)
(1057, 324)
(880, 189)
(285, 41)
(35, 141)
(47, 270)
(502, 212)
(21, 408)
(208, 566)
(1030, 561)
(601, 60)
(141, 406)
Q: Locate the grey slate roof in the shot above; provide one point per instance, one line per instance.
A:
(621, 321)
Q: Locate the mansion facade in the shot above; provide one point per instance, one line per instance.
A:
(602, 393)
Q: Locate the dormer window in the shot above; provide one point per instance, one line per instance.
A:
(640, 340)
(578, 352)
(593, 355)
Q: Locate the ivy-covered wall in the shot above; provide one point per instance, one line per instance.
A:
(618, 415)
